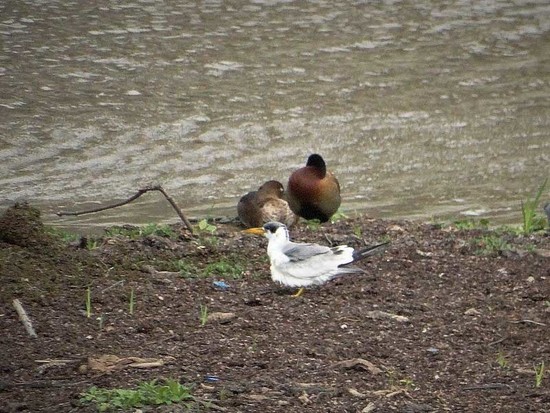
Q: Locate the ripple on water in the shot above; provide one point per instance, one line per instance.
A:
(412, 104)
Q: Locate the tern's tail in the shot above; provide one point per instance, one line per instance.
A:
(373, 249)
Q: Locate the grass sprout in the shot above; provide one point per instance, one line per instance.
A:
(531, 220)
(132, 301)
(203, 314)
(396, 383)
(539, 374)
(92, 244)
(89, 302)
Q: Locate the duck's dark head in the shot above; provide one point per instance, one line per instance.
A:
(316, 161)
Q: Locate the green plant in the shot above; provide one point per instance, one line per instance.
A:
(466, 224)
(508, 230)
(125, 231)
(539, 374)
(407, 383)
(203, 314)
(206, 233)
(161, 230)
(205, 226)
(186, 268)
(65, 236)
(147, 393)
(225, 394)
(489, 244)
(132, 302)
(254, 346)
(224, 268)
(531, 221)
(92, 244)
(357, 231)
(313, 224)
(89, 302)
(338, 216)
(502, 360)
(395, 382)
(436, 222)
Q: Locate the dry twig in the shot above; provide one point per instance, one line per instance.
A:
(488, 386)
(24, 318)
(527, 322)
(139, 193)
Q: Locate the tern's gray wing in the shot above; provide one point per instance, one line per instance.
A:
(301, 252)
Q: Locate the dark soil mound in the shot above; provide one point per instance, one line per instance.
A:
(21, 225)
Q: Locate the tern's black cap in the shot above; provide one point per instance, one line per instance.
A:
(273, 226)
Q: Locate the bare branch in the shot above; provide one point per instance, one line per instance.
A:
(139, 193)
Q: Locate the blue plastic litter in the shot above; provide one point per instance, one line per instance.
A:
(221, 284)
(211, 379)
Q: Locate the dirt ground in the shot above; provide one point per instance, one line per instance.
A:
(446, 319)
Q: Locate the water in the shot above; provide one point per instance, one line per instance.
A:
(424, 109)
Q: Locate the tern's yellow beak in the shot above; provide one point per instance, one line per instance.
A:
(255, 231)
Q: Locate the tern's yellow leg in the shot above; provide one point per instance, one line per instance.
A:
(299, 292)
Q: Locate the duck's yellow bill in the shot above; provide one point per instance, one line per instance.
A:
(255, 231)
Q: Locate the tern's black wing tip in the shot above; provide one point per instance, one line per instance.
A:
(370, 250)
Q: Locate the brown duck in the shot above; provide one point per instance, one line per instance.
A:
(265, 205)
(312, 191)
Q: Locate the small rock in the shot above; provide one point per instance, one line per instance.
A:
(424, 254)
(418, 408)
(356, 393)
(253, 302)
(360, 363)
(221, 317)
(542, 253)
(257, 397)
(472, 311)
(396, 228)
(376, 314)
(369, 408)
(304, 398)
